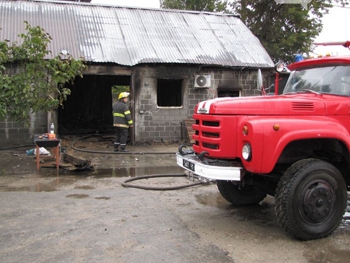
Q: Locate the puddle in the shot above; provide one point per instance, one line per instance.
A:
(213, 199)
(115, 172)
(345, 223)
(39, 187)
(324, 250)
(27, 185)
(84, 187)
(330, 255)
(78, 196)
(102, 198)
(136, 171)
(49, 180)
(263, 212)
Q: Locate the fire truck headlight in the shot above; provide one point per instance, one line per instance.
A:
(247, 152)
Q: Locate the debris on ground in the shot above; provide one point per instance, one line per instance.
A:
(77, 163)
(42, 151)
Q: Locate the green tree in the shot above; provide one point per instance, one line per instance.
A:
(197, 5)
(284, 29)
(29, 81)
(118, 89)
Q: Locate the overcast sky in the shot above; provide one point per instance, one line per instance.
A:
(135, 3)
(335, 24)
(335, 28)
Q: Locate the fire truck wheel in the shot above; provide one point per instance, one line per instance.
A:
(310, 199)
(240, 195)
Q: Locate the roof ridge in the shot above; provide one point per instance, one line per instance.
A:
(128, 7)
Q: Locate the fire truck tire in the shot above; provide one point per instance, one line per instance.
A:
(310, 199)
(239, 195)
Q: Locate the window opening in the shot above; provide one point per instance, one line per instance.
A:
(169, 93)
(228, 93)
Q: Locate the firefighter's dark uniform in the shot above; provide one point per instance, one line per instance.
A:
(122, 120)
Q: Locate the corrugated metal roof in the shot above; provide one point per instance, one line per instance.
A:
(130, 36)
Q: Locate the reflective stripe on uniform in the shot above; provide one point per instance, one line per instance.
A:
(116, 114)
(121, 125)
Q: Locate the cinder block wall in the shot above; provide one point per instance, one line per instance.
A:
(152, 122)
(166, 124)
(13, 133)
(155, 123)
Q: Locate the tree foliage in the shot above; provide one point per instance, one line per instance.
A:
(283, 29)
(196, 5)
(119, 89)
(29, 82)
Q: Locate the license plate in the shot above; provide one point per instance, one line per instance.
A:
(188, 165)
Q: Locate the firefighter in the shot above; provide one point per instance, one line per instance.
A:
(122, 121)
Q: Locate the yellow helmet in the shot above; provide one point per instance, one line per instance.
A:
(123, 95)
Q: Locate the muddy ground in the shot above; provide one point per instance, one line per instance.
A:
(88, 216)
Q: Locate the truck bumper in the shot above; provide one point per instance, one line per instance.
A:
(213, 171)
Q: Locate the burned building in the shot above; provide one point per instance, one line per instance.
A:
(169, 59)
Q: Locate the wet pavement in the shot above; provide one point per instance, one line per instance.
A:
(87, 216)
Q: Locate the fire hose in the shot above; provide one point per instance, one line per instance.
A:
(126, 182)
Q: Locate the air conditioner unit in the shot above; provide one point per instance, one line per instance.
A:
(202, 81)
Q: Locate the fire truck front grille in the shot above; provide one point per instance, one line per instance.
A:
(214, 134)
(207, 134)
(210, 134)
(210, 146)
(211, 123)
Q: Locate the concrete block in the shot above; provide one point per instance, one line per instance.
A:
(154, 135)
(144, 134)
(160, 118)
(154, 123)
(19, 125)
(169, 118)
(147, 107)
(160, 128)
(149, 129)
(23, 131)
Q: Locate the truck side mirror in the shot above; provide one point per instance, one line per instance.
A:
(259, 81)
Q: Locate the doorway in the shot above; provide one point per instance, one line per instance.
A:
(89, 107)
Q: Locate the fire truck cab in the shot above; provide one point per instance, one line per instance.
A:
(294, 146)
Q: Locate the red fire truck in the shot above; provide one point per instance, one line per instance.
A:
(294, 146)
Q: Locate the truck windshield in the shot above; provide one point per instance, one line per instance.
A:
(330, 79)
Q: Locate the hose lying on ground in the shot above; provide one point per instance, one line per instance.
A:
(125, 183)
(110, 152)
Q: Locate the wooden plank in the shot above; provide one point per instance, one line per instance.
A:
(77, 163)
(75, 160)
